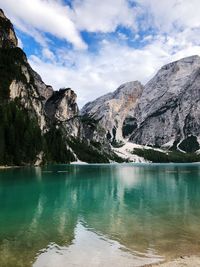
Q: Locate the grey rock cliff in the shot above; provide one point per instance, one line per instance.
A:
(62, 105)
(55, 112)
(163, 113)
(8, 38)
(111, 110)
(26, 85)
(169, 108)
(61, 108)
(31, 91)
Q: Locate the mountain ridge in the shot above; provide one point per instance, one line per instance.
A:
(167, 111)
(170, 101)
(28, 105)
(118, 105)
(40, 125)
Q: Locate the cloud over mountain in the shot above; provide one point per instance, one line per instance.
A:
(93, 46)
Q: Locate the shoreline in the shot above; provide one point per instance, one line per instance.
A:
(183, 261)
(4, 167)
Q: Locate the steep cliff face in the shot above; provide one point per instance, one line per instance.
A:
(19, 81)
(164, 113)
(113, 109)
(43, 123)
(62, 110)
(168, 112)
(62, 106)
(17, 78)
(8, 38)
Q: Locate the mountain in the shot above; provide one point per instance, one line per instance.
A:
(115, 111)
(168, 112)
(135, 122)
(39, 124)
(8, 38)
(165, 113)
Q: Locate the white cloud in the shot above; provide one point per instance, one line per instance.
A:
(48, 54)
(20, 44)
(30, 30)
(172, 32)
(44, 15)
(38, 17)
(172, 14)
(105, 15)
(92, 75)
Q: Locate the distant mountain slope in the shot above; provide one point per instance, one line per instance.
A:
(163, 113)
(168, 111)
(114, 108)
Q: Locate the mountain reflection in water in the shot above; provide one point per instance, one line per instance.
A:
(98, 215)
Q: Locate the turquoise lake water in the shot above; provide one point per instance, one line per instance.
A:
(98, 215)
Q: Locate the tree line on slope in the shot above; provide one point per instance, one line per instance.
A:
(21, 139)
(171, 156)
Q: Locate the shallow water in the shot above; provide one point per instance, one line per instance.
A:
(98, 215)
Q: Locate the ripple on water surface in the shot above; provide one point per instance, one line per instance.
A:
(98, 215)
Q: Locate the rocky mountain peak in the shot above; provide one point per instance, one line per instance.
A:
(112, 109)
(8, 38)
(129, 88)
(44, 124)
(194, 59)
(19, 80)
(178, 69)
(62, 105)
(168, 110)
(2, 15)
(169, 82)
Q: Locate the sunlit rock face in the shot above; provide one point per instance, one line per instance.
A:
(61, 108)
(111, 110)
(8, 38)
(17, 79)
(62, 105)
(163, 113)
(168, 111)
(55, 112)
(31, 91)
(27, 86)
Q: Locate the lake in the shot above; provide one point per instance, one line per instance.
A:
(98, 215)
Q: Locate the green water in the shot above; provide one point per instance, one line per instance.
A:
(98, 215)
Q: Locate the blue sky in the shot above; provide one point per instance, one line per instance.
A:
(94, 46)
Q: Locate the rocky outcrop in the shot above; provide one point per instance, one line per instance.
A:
(27, 86)
(163, 113)
(168, 111)
(21, 82)
(17, 79)
(52, 116)
(111, 110)
(45, 91)
(62, 106)
(62, 110)
(8, 38)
